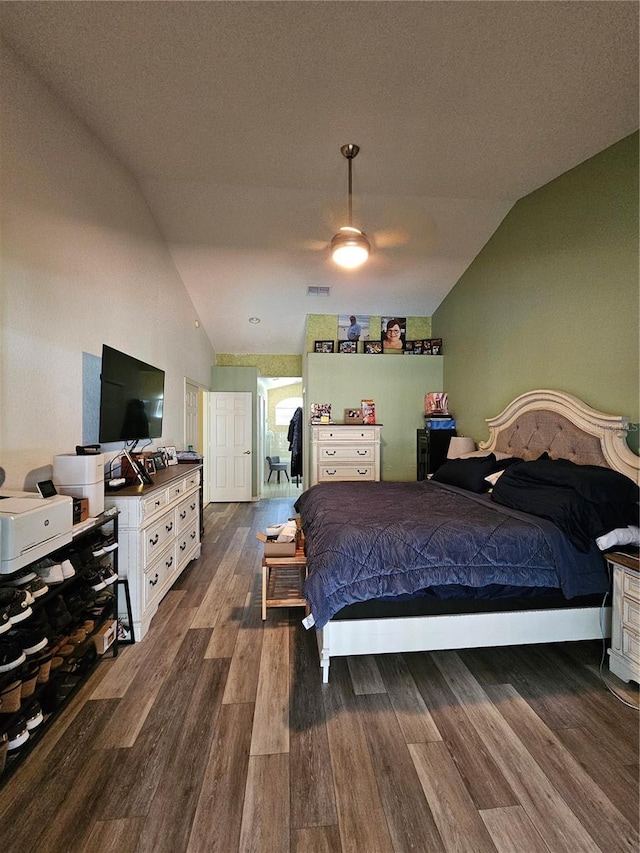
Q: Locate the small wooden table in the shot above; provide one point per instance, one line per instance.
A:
(283, 581)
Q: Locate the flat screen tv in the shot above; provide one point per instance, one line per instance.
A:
(131, 398)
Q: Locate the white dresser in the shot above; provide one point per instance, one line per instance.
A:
(159, 534)
(344, 452)
(624, 654)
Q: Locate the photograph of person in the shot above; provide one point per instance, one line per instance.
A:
(352, 327)
(393, 333)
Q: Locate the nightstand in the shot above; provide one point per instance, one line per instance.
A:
(624, 654)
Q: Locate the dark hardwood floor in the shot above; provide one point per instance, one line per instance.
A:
(216, 734)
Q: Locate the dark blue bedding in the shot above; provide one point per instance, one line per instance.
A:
(375, 540)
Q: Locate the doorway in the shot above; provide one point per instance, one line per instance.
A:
(278, 400)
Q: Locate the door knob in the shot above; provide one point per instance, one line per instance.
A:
(247, 453)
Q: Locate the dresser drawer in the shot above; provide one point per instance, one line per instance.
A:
(346, 472)
(176, 489)
(192, 480)
(153, 504)
(358, 434)
(187, 540)
(156, 574)
(356, 453)
(631, 615)
(157, 535)
(187, 511)
(631, 586)
(630, 645)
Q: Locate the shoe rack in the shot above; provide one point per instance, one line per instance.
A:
(80, 624)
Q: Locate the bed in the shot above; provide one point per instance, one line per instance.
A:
(396, 567)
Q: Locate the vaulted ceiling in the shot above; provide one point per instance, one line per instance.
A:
(231, 115)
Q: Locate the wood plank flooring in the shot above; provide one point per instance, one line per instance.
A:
(216, 734)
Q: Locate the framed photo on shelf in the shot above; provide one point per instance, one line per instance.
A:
(321, 413)
(347, 346)
(150, 464)
(353, 416)
(436, 346)
(172, 456)
(373, 347)
(158, 459)
(323, 346)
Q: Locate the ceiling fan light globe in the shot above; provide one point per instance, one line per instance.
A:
(350, 248)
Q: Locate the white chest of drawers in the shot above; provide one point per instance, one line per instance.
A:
(624, 653)
(345, 452)
(159, 534)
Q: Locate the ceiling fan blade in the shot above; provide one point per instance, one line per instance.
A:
(391, 238)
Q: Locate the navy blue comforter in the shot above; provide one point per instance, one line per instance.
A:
(374, 540)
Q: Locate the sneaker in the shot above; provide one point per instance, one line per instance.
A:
(11, 655)
(58, 614)
(5, 619)
(79, 600)
(18, 734)
(33, 716)
(108, 574)
(67, 569)
(37, 587)
(109, 542)
(49, 571)
(10, 697)
(93, 577)
(29, 641)
(18, 603)
(21, 577)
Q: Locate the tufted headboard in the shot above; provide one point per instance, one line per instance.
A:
(566, 428)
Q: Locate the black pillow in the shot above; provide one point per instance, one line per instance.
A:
(467, 473)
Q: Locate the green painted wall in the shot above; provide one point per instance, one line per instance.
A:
(552, 299)
(398, 386)
(267, 365)
(324, 327)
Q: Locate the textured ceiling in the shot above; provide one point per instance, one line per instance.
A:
(231, 117)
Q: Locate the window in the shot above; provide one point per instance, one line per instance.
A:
(285, 410)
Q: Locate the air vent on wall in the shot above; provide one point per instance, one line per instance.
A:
(318, 291)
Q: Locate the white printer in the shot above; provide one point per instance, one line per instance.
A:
(81, 477)
(32, 527)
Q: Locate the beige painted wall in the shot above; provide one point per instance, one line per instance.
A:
(83, 264)
(552, 299)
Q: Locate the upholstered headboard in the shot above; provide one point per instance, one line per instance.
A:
(566, 428)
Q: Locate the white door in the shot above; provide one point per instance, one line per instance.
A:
(192, 416)
(229, 446)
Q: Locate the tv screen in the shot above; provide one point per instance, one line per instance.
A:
(131, 398)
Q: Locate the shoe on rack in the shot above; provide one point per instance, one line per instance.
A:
(18, 603)
(68, 570)
(58, 614)
(5, 619)
(29, 678)
(11, 655)
(36, 587)
(20, 578)
(30, 641)
(109, 542)
(33, 716)
(109, 575)
(18, 734)
(10, 697)
(93, 576)
(50, 571)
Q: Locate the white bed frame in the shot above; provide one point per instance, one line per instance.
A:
(532, 423)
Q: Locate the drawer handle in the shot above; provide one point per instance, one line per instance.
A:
(155, 581)
(331, 473)
(183, 515)
(168, 563)
(193, 506)
(193, 534)
(363, 471)
(330, 452)
(157, 503)
(362, 452)
(169, 527)
(183, 546)
(155, 540)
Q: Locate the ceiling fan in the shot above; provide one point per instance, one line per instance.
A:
(350, 247)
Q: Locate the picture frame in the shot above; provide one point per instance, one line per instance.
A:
(348, 346)
(353, 416)
(426, 347)
(323, 346)
(373, 347)
(150, 465)
(413, 347)
(353, 327)
(172, 457)
(158, 459)
(436, 346)
(321, 413)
